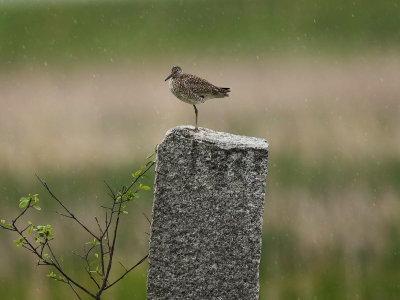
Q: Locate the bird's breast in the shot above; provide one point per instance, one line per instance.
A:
(174, 88)
(178, 89)
(171, 84)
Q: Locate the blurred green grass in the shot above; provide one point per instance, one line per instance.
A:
(108, 32)
(287, 271)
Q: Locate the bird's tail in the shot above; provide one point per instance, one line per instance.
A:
(223, 92)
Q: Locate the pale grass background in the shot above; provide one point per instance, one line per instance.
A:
(105, 115)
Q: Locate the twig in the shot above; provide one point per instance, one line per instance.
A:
(86, 258)
(75, 292)
(72, 281)
(98, 224)
(110, 189)
(22, 213)
(140, 175)
(26, 228)
(6, 227)
(111, 251)
(148, 220)
(123, 275)
(64, 215)
(107, 235)
(80, 256)
(52, 254)
(63, 206)
(123, 266)
(102, 258)
(102, 206)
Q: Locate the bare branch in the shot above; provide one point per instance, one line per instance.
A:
(52, 254)
(110, 189)
(123, 266)
(23, 230)
(27, 248)
(102, 259)
(77, 254)
(64, 215)
(75, 292)
(7, 228)
(72, 281)
(111, 250)
(86, 259)
(102, 206)
(107, 235)
(148, 220)
(123, 275)
(98, 224)
(65, 208)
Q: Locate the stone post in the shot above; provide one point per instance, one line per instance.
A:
(205, 240)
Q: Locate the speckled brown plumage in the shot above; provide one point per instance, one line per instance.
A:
(192, 89)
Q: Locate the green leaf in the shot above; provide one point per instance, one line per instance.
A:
(42, 233)
(19, 242)
(145, 187)
(35, 198)
(37, 207)
(125, 212)
(137, 173)
(94, 243)
(150, 155)
(2, 221)
(149, 163)
(30, 229)
(23, 202)
(96, 255)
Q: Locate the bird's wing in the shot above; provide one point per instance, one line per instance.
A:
(200, 86)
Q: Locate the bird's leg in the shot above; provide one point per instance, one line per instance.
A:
(196, 112)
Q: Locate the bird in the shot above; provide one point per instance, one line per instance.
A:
(192, 89)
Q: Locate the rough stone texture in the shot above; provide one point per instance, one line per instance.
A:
(205, 238)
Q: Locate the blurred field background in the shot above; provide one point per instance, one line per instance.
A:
(83, 99)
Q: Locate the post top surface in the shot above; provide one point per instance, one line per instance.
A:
(221, 139)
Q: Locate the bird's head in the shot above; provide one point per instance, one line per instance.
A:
(175, 72)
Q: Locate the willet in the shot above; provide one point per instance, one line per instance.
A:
(192, 89)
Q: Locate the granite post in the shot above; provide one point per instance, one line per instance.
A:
(205, 240)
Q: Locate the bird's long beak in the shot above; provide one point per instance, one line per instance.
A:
(169, 76)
